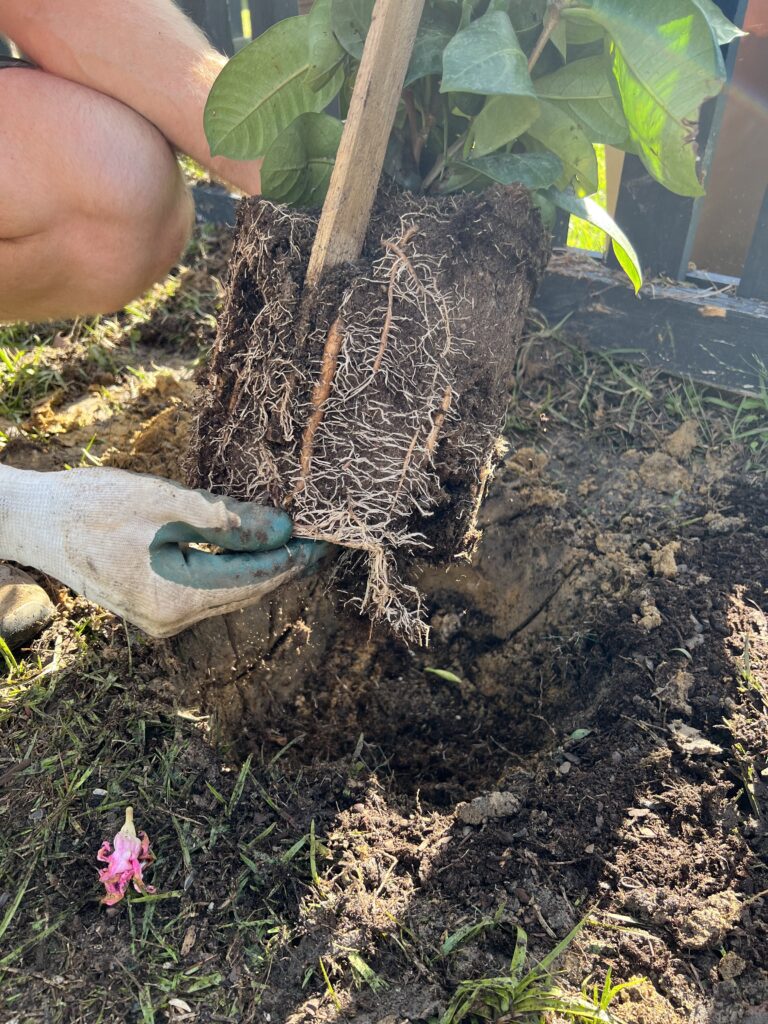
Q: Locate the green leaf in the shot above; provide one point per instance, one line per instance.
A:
(502, 120)
(527, 14)
(586, 91)
(666, 64)
(298, 165)
(591, 211)
(351, 20)
(486, 58)
(443, 673)
(561, 135)
(519, 955)
(580, 31)
(262, 89)
(723, 30)
(559, 39)
(325, 52)
(435, 32)
(534, 170)
(466, 933)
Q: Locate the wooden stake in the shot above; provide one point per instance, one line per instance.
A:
(359, 162)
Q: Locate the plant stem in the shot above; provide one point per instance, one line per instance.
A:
(551, 21)
(440, 164)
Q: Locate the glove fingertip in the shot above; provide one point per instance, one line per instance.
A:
(308, 554)
(263, 528)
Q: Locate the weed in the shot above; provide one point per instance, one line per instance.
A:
(25, 378)
(363, 973)
(527, 996)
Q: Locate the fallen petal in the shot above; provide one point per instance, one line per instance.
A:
(125, 858)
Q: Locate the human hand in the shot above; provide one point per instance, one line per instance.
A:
(121, 540)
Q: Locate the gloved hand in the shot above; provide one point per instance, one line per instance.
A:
(120, 539)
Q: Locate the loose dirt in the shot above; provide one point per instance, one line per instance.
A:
(599, 749)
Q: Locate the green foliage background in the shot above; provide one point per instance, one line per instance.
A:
(496, 91)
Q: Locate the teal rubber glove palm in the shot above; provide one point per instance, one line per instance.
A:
(123, 541)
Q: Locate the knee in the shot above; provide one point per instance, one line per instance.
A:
(149, 244)
(144, 234)
(100, 211)
(103, 248)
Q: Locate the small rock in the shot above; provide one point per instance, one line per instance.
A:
(523, 896)
(188, 942)
(706, 925)
(493, 805)
(565, 767)
(690, 741)
(719, 523)
(674, 693)
(660, 472)
(650, 616)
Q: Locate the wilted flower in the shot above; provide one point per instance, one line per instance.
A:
(126, 862)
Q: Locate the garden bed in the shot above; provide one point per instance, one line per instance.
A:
(608, 652)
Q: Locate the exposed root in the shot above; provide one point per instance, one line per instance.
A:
(320, 395)
(437, 426)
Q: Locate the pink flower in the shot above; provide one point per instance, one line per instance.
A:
(126, 862)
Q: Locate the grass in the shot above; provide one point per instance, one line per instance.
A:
(25, 378)
(607, 394)
(88, 743)
(531, 994)
(171, 326)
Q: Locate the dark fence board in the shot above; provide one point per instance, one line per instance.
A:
(754, 280)
(266, 12)
(212, 16)
(719, 339)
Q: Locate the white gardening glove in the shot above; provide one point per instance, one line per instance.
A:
(120, 540)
